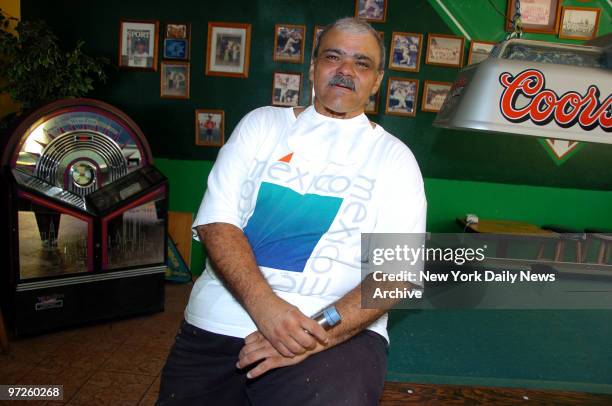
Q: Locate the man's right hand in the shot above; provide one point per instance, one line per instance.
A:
(286, 327)
(282, 324)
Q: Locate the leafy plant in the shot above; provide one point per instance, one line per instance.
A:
(35, 70)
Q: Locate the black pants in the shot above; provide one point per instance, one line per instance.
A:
(201, 370)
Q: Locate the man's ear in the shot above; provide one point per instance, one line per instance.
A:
(379, 79)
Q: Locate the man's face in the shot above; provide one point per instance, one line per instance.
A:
(345, 73)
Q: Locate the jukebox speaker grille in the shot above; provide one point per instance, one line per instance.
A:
(81, 162)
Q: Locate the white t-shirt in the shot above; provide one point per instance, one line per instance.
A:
(303, 190)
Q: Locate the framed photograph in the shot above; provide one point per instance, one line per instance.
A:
(318, 29)
(539, 16)
(174, 80)
(405, 51)
(289, 43)
(228, 49)
(209, 127)
(177, 43)
(371, 10)
(286, 89)
(178, 30)
(176, 49)
(138, 44)
(434, 94)
(373, 102)
(444, 50)
(579, 23)
(479, 51)
(402, 96)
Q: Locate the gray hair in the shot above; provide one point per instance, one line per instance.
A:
(354, 26)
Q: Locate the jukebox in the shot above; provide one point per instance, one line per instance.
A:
(84, 215)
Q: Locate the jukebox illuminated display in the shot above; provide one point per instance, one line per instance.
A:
(84, 213)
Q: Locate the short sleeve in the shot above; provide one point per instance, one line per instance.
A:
(222, 197)
(402, 203)
(402, 209)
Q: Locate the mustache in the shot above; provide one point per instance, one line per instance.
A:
(343, 81)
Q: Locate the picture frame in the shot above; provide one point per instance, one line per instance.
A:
(445, 50)
(178, 30)
(402, 96)
(371, 10)
(177, 41)
(316, 31)
(580, 23)
(228, 49)
(479, 51)
(289, 43)
(176, 49)
(434, 94)
(286, 89)
(209, 127)
(405, 51)
(174, 80)
(373, 103)
(138, 41)
(538, 16)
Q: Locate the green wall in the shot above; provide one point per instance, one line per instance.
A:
(441, 153)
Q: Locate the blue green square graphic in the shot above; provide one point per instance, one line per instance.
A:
(286, 226)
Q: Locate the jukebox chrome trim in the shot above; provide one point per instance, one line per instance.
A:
(21, 287)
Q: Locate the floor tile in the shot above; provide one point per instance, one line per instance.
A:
(75, 356)
(139, 360)
(72, 379)
(35, 349)
(157, 331)
(149, 399)
(112, 389)
(12, 370)
(151, 395)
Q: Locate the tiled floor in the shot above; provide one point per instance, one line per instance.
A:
(115, 363)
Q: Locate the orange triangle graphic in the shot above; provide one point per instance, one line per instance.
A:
(286, 158)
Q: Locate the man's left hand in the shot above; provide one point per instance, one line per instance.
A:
(258, 348)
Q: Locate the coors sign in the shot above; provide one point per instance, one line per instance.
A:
(544, 105)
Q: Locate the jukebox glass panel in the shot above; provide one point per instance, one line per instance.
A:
(51, 243)
(136, 237)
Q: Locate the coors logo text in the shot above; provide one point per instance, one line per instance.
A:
(545, 105)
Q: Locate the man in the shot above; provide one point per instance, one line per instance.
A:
(140, 54)
(281, 219)
(283, 85)
(209, 126)
(292, 44)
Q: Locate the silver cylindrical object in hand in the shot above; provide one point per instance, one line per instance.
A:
(327, 318)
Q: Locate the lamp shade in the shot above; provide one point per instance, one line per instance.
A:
(535, 88)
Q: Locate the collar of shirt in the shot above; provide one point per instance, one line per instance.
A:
(316, 137)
